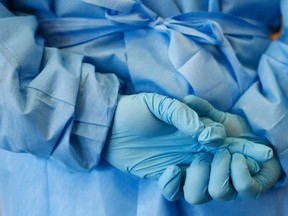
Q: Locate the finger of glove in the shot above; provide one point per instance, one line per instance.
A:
(175, 113)
(269, 174)
(171, 182)
(213, 135)
(204, 108)
(245, 185)
(253, 166)
(220, 187)
(197, 179)
(258, 152)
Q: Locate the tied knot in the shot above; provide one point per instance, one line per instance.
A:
(159, 21)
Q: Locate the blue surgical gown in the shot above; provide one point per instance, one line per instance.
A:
(63, 63)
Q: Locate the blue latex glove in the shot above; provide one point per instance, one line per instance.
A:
(245, 182)
(150, 132)
(209, 175)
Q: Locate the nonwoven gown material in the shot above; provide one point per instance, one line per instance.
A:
(208, 48)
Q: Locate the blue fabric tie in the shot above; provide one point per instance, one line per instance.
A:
(121, 16)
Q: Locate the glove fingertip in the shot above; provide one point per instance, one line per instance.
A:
(212, 136)
(253, 166)
(258, 152)
(262, 153)
(170, 183)
(270, 154)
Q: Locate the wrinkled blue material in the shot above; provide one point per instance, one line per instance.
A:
(49, 99)
(191, 34)
(33, 186)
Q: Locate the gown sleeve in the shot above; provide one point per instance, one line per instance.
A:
(52, 103)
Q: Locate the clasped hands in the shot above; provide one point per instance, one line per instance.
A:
(190, 148)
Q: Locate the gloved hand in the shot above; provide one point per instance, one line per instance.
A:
(151, 132)
(246, 183)
(209, 175)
